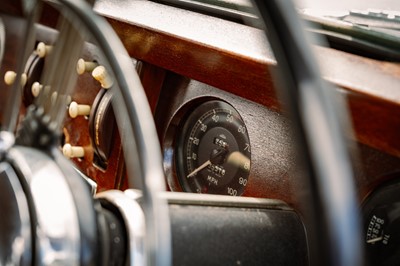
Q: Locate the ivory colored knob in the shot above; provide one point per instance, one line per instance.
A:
(36, 89)
(101, 75)
(10, 76)
(42, 49)
(73, 151)
(78, 109)
(83, 66)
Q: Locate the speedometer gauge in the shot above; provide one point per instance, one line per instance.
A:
(213, 150)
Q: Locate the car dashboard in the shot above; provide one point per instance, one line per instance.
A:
(210, 85)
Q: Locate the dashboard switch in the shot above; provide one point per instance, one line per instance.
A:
(42, 49)
(78, 109)
(101, 75)
(83, 66)
(36, 89)
(73, 151)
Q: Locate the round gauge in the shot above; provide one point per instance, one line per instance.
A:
(213, 150)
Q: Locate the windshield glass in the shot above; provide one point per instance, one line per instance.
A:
(318, 4)
(340, 5)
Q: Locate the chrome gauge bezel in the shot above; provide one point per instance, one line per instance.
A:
(186, 122)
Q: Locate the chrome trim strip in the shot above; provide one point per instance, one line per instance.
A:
(183, 198)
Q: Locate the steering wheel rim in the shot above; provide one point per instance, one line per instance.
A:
(319, 124)
(142, 153)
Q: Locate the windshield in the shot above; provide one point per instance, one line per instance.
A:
(318, 4)
(340, 5)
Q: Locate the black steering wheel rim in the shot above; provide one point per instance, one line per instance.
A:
(319, 123)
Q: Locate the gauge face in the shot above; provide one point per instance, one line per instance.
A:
(213, 151)
(381, 213)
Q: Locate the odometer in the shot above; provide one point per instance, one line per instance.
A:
(213, 150)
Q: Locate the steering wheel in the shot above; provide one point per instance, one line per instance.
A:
(58, 219)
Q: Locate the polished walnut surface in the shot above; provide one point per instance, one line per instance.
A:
(236, 58)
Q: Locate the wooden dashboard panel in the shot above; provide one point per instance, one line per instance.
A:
(232, 62)
(237, 59)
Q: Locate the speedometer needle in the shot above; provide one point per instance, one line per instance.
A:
(217, 156)
(201, 167)
(376, 239)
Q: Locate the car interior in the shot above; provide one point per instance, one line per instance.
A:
(198, 132)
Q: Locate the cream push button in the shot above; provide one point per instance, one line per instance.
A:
(75, 109)
(73, 151)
